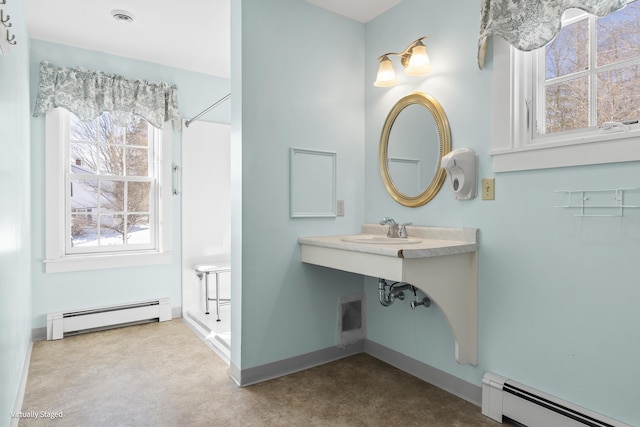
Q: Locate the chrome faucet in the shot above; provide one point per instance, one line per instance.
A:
(395, 230)
(402, 232)
(393, 226)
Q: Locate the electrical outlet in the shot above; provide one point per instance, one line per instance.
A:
(488, 189)
(340, 208)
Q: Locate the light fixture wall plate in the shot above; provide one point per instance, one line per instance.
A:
(414, 59)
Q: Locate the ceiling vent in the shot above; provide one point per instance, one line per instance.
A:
(122, 16)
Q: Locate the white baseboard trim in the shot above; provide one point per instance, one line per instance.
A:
(449, 383)
(23, 385)
(269, 371)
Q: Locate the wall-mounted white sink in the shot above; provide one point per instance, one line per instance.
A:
(376, 239)
(440, 261)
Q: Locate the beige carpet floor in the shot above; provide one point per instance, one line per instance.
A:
(162, 374)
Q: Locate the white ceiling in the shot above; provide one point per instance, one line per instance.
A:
(188, 34)
(358, 10)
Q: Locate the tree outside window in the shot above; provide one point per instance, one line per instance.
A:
(111, 183)
(592, 72)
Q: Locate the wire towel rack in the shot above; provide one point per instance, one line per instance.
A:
(613, 201)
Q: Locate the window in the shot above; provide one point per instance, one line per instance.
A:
(108, 193)
(575, 101)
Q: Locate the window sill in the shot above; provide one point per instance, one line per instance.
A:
(98, 262)
(556, 156)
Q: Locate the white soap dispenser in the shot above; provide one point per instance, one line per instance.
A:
(461, 167)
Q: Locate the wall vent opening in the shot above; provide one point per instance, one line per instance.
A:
(351, 319)
(351, 316)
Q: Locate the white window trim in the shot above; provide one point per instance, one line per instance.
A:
(511, 150)
(55, 258)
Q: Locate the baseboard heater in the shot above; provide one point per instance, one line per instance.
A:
(502, 397)
(63, 324)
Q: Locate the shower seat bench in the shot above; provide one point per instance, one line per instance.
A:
(206, 270)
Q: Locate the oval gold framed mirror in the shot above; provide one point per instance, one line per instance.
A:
(414, 138)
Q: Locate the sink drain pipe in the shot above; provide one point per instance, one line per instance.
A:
(388, 293)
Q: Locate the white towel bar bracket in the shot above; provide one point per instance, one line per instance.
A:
(610, 202)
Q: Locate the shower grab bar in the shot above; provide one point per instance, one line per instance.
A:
(214, 105)
(175, 180)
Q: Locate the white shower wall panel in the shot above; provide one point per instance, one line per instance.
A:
(206, 208)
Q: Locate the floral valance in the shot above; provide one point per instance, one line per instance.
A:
(531, 24)
(88, 94)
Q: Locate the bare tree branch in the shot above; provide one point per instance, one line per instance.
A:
(113, 153)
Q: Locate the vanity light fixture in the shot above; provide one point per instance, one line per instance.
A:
(414, 58)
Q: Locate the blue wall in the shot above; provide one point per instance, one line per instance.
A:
(557, 293)
(15, 212)
(297, 82)
(64, 291)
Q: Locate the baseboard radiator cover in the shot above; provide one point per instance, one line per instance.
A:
(502, 397)
(63, 324)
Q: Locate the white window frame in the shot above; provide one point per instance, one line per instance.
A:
(56, 258)
(514, 145)
(154, 136)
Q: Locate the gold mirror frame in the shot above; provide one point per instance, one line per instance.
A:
(444, 134)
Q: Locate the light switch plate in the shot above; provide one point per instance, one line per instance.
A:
(488, 189)
(340, 208)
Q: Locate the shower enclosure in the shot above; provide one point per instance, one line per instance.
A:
(204, 188)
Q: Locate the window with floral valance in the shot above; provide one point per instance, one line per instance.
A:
(88, 94)
(531, 24)
(566, 87)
